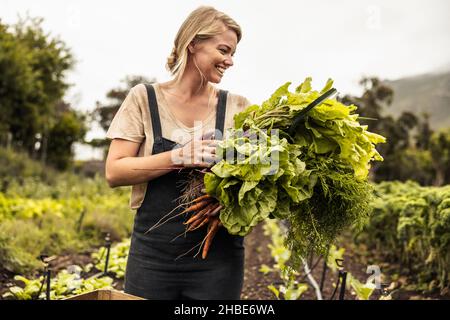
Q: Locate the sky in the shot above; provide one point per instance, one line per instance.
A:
(283, 40)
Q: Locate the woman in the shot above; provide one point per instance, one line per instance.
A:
(156, 129)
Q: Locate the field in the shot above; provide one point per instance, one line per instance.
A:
(68, 219)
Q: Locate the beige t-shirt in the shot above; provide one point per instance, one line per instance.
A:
(132, 122)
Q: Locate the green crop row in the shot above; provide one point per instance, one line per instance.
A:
(70, 216)
(73, 281)
(410, 224)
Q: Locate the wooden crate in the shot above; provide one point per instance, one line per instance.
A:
(105, 295)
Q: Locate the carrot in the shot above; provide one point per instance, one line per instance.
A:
(194, 224)
(205, 221)
(195, 217)
(201, 213)
(200, 217)
(198, 224)
(215, 211)
(197, 206)
(213, 227)
(201, 198)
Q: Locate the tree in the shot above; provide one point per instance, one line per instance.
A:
(69, 129)
(19, 92)
(424, 132)
(440, 152)
(406, 156)
(105, 112)
(33, 66)
(375, 98)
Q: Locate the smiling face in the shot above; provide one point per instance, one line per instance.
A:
(214, 56)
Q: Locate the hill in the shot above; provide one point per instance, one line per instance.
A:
(423, 93)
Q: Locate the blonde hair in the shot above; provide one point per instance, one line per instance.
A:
(203, 23)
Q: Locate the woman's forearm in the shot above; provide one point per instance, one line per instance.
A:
(135, 170)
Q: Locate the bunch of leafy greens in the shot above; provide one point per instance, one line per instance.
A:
(316, 179)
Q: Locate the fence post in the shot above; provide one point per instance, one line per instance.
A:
(343, 275)
(108, 249)
(324, 269)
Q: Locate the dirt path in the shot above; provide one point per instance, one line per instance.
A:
(356, 261)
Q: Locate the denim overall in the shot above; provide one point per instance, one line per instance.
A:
(153, 272)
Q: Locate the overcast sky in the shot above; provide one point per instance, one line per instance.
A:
(283, 40)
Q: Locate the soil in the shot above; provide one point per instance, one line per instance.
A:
(255, 282)
(356, 261)
(257, 253)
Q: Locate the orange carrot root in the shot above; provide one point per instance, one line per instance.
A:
(205, 221)
(197, 206)
(216, 210)
(201, 213)
(214, 226)
(198, 224)
(194, 224)
(201, 198)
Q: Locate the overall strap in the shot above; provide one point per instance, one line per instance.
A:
(154, 115)
(220, 112)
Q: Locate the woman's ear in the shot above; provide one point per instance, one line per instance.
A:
(191, 46)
